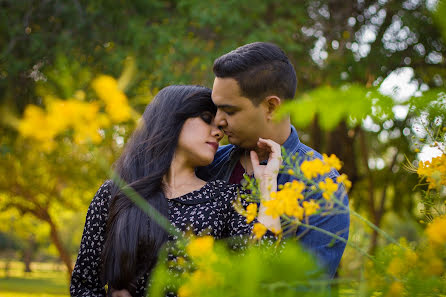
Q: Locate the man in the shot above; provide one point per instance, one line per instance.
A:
(251, 83)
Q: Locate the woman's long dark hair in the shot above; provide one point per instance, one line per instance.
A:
(133, 239)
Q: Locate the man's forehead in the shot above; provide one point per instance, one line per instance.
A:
(226, 93)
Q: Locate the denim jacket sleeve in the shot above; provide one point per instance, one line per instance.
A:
(327, 250)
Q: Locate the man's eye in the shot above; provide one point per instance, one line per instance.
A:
(230, 112)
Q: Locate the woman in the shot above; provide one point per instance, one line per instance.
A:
(120, 243)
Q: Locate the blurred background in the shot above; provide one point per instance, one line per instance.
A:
(76, 75)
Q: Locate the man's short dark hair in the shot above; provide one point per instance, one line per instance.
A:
(261, 69)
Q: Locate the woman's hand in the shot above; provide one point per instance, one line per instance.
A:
(271, 169)
(267, 176)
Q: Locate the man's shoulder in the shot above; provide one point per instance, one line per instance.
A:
(224, 151)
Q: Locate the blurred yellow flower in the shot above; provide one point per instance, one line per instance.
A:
(116, 105)
(200, 246)
(313, 168)
(332, 161)
(396, 267)
(343, 178)
(396, 289)
(328, 187)
(310, 207)
(35, 125)
(251, 212)
(434, 171)
(436, 231)
(286, 200)
(259, 230)
(185, 291)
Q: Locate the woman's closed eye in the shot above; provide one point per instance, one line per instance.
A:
(207, 117)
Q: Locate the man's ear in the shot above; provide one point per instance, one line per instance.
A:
(272, 103)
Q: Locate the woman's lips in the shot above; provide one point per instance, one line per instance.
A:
(214, 145)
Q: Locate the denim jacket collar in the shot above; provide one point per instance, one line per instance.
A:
(292, 143)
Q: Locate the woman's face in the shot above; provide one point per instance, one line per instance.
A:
(198, 141)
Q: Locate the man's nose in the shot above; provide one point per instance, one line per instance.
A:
(217, 132)
(220, 119)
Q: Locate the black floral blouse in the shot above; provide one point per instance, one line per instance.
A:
(208, 210)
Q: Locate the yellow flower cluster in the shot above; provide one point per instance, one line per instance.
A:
(434, 171)
(315, 167)
(200, 246)
(436, 231)
(201, 250)
(343, 178)
(259, 230)
(116, 104)
(328, 188)
(286, 201)
(251, 212)
(61, 115)
(83, 118)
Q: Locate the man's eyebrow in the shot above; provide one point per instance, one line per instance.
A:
(223, 106)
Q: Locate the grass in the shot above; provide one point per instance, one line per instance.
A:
(45, 280)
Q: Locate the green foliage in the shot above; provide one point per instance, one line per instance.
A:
(439, 14)
(260, 270)
(333, 105)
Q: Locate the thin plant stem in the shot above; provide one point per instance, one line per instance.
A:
(152, 212)
(370, 224)
(338, 238)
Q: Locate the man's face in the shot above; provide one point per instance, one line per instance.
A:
(241, 120)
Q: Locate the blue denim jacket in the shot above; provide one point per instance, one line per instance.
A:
(327, 250)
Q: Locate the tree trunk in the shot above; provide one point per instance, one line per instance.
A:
(64, 254)
(316, 134)
(371, 189)
(341, 143)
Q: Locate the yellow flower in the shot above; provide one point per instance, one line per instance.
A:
(297, 212)
(310, 207)
(313, 168)
(328, 187)
(251, 212)
(396, 289)
(274, 208)
(185, 291)
(115, 100)
(396, 267)
(35, 125)
(332, 161)
(286, 201)
(200, 246)
(434, 171)
(259, 230)
(290, 171)
(411, 257)
(343, 178)
(436, 231)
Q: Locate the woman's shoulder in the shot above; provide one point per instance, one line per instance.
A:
(103, 194)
